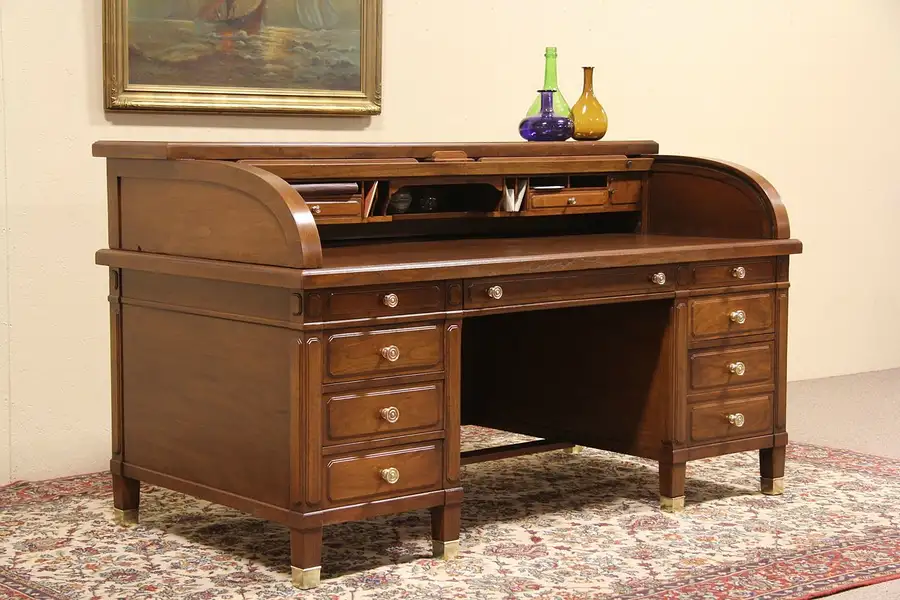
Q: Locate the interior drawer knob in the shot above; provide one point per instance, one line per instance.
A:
(737, 419)
(572, 201)
(738, 368)
(739, 272)
(390, 414)
(391, 300)
(391, 475)
(658, 278)
(392, 353)
(495, 292)
(315, 209)
(738, 316)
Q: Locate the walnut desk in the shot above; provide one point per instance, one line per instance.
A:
(299, 331)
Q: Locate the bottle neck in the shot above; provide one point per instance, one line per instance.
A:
(547, 102)
(589, 79)
(550, 72)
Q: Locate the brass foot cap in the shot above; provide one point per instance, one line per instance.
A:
(574, 450)
(772, 486)
(445, 550)
(671, 504)
(126, 518)
(305, 579)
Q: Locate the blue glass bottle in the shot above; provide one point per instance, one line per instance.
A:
(547, 126)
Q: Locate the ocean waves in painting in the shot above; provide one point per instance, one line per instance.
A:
(191, 53)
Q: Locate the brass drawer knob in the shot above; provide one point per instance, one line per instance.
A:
(572, 201)
(738, 368)
(391, 475)
(658, 278)
(738, 317)
(391, 300)
(392, 353)
(315, 209)
(739, 272)
(391, 414)
(495, 292)
(737, 419)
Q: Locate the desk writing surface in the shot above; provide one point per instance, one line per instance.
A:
(449, 259)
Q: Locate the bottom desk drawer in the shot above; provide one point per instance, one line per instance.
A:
(384, 473)
(731, 419)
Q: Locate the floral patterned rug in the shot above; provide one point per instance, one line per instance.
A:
(546, 526)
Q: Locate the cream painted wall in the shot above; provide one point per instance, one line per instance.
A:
(806, 92)
(5, 465)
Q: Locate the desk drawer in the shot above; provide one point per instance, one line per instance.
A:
(505, 291)
(722, 316)
(384, 351)
(735, 366)
(382, 301)
(731, 419)
(732, 273)
(336, 211)
(384, 473)
(383, 412)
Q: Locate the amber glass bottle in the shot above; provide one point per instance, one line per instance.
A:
(587, 113)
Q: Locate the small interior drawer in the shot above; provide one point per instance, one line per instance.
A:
(738, 314)
(730, 367)
(731, 419)
(570, 198)
(624, 191)
(331, 208)
(384, 473)
(373, 352)
(338, 201)
(383, 412)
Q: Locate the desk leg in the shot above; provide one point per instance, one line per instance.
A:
(126, 499)
(445, 531)
(306, 557)
(671, 486)
(771, 470)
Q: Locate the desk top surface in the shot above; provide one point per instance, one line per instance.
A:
(452, 259)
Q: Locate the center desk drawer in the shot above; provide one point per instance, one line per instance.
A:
(738, 314)
(384, 412)
(504, 291)
(374, 352)
(383, 473)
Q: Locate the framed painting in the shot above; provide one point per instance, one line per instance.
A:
(250, 56)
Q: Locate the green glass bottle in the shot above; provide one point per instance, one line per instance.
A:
(560, 106)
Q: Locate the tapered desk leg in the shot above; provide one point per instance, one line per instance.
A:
(671, 486)
(306, 557)
(126, 499)
(771, 470)
(445, 531)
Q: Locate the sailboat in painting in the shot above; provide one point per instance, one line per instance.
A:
(234, 15)
(317, 14)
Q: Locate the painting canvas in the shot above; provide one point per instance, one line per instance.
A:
(315, 56)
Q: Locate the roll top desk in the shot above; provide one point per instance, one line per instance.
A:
(300, 331)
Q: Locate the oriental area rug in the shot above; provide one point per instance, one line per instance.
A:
(547, 526)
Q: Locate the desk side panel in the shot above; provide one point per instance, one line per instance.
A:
(207, 400)
(212, 210)
(701, 197)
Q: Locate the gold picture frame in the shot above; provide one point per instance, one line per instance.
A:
(123, 94)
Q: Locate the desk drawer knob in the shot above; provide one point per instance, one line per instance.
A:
(738, 316)
(390, 414)
(495, 292)
(738, 368)
(391, 475)
(739, 272)
(391, 300)
(572, 201)
(315, 209)
(392, 353)
(737, 419)
(658, 278)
